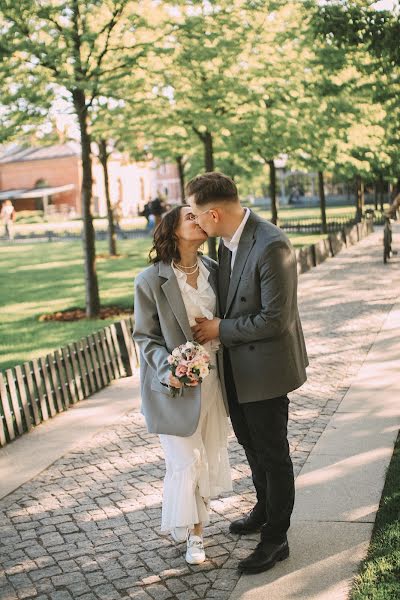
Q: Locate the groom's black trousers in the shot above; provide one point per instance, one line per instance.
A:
(261, 428)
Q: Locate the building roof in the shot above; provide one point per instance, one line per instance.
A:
(17, 153)
(40, 192)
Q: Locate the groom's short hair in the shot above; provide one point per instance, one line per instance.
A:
(210, 187)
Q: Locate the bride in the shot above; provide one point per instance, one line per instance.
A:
(177, 288)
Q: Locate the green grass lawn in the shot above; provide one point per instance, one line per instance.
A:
(379, 577)
(45, 277)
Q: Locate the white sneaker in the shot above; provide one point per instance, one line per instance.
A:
(179, 534)
(195, 554)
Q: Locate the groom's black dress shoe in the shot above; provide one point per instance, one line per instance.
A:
(264, 557)
(251, 523)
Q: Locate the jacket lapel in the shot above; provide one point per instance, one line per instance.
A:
(213, 281)
(174, 297)
(246, 243)
(212, 275)
(224, 274)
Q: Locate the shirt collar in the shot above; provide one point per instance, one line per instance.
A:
(233, 242)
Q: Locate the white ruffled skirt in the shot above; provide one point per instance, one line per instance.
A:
(197, 467)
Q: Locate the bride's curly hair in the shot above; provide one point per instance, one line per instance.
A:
(165, 241)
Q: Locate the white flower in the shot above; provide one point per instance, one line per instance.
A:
(204, 371)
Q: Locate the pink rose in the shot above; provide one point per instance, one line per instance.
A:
(181, 370)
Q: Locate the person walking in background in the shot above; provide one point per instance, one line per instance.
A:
(8, 216)
(117, 215)
(179, 286)
(148, 215)
(157, 209)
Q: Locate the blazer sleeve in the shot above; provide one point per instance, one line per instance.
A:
(147, 332)
(278, 280)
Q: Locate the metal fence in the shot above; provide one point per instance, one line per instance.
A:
(309, 225)
(304, 225)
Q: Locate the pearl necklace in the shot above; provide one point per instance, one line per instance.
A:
(183, 267)
(194, 268)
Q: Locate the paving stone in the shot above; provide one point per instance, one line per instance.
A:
(45, 572)
(175, 585)
(188, 595)
(61, 595)
(107, 592)
(137, 594)
(66, 579)
(125, 583)
(159, 592)
(51, 539)
(79, 588)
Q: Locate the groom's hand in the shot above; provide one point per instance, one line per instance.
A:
(206, 329)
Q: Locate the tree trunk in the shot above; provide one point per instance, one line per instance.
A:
(322, 201)
(91, 284)
(376, 194)
(208, 151)
(396, 188)
(112, 237)
(359, 198)
(209, 165)
(181, 171)
(272, 191)
(381, 192)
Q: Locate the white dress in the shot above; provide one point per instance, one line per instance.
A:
(197, 467)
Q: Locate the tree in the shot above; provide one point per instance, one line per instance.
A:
(330, 106)
(267, 123)
(356, 27)
(21, 115)
(70, 43)
(203, 79)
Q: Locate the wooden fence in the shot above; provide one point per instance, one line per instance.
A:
(313, 255)
(39, 389)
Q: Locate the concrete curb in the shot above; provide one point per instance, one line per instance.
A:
(339, 487)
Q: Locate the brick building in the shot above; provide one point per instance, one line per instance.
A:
(49, 178)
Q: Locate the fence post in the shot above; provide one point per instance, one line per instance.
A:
(126, 346)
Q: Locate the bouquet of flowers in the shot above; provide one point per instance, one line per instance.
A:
(189, 365)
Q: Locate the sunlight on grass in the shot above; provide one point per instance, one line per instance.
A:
(50, 265)
(379, 576)
(47, 277)
(44, 278)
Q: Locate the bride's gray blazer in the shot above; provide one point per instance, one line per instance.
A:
(161, 324)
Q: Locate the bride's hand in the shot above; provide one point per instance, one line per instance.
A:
(174, 381)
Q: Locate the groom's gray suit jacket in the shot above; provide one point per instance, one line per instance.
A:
(161, 324)
(261, 328)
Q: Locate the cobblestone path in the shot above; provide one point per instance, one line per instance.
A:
(88, 526)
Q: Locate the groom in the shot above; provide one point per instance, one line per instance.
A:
(264, 352)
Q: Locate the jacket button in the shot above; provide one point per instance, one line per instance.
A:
(243, 299)
(251, 347)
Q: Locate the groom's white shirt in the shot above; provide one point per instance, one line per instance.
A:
(233, 242)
